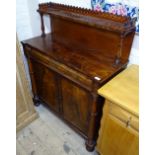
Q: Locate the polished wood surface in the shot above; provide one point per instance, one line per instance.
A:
(119, 131)
(46, 89)
(87, 62)
(25, 112)
(88, 17)
(82, 52)
(127, 85)
(79, 101)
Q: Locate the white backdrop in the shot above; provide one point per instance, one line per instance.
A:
(80, 3)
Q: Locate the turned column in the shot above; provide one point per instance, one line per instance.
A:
(91, 141)
(36, 99)
(42, 24)
(119, 52)
(93, 127)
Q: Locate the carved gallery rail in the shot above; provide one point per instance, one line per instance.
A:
(84, 50)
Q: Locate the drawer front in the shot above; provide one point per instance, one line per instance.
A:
(124, 116)
(63, 70)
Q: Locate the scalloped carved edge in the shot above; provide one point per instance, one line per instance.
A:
(83, 11)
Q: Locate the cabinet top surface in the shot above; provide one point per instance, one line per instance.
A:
(84, 61)
(123, 89)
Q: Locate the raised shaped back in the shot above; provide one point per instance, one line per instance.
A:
(99, 33)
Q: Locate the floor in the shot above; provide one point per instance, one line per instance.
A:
(48, 135)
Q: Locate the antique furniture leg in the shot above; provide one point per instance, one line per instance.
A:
(36, 99)
(119, 52)
(42, 24)
(90, 143)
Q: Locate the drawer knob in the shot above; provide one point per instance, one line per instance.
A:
(128, 122)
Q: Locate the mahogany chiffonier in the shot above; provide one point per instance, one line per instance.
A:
(83, 51)
(119, 131)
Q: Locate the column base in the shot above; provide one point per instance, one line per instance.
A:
(90, 145)
(36, 101)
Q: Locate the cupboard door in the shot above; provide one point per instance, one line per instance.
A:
(46, 85)
(76, 104)
(115, 138)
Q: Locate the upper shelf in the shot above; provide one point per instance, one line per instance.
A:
(93, 18)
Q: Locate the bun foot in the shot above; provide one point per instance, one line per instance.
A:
(90, 146)
(36, 101)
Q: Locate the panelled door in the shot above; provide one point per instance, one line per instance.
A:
(46, 84)
(76, 104)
